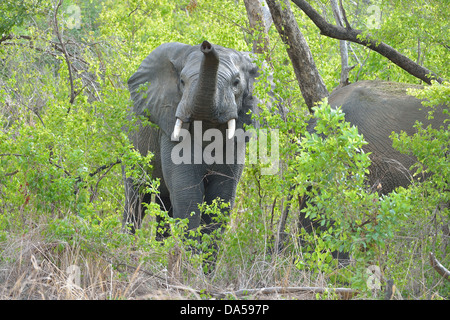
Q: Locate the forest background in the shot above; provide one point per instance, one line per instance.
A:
(64, 66)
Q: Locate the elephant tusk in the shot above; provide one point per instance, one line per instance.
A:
(231, 128)
(177, 128)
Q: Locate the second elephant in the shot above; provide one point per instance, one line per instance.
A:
(378, 108)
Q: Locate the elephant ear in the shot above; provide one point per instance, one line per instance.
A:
(154, 88)
(249, 101)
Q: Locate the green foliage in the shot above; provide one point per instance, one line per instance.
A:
(13, 13)
(60, 163)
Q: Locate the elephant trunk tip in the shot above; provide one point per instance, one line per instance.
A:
(206, 47)
(209, 52)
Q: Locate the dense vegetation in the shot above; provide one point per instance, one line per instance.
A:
(62, 147)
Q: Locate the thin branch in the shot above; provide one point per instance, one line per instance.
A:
(12, 154)
(344, 15)
(345, 293)
(134, 10)
(56, 45)
(439, 267)
(345, 70)
(57, 165)
(66, 55)
(11, 173)
(95, 191)
(227, 18)
(281, 235)
(357, 36)
(11, 37)
(106, 166)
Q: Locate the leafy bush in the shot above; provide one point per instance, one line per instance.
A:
(61, 180)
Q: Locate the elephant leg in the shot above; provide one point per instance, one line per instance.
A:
(134, 210)
(184, 183)
(186, 192)
(185, 202)
(220, 186)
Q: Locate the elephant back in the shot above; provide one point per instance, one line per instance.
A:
(378, 108)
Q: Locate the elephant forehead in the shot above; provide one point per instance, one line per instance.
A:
(227, 64)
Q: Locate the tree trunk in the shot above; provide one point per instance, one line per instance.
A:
(258, 25)
(311, 83)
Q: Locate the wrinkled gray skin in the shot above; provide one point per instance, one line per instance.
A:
(378, 108)
(204, 83)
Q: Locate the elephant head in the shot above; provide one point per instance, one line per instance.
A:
(174, 86)
(179, 83)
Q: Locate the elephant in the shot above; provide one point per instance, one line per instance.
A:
(378, 108)
(188, 91)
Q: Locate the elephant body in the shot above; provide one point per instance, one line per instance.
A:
(201, 95)
(378, 108)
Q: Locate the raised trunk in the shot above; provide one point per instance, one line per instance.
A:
(203, 101)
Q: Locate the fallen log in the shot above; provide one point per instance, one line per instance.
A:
(344, 293)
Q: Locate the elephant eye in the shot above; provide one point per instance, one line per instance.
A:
(182, 83)
(236, 82)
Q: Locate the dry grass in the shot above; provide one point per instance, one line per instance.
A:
(32, 268)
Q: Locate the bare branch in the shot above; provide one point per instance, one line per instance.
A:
(345, 293)
(108, 168)
(309, 80)
(55, 164)
(344, 15)
(11, 37)
(66, 55)
(11, 154)
(345, 70)
(357, 36)
(439, 267)
(11, 173)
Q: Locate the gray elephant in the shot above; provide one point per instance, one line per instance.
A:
(188, 92)
(378, 108)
